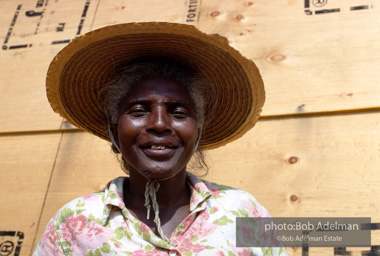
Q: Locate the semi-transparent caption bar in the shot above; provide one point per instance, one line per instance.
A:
(300, 232)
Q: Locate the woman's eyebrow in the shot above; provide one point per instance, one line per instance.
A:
(178, 102)
(143, 101)
(138, 101)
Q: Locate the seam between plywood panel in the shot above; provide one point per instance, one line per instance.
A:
(324, 113)
(46, 193)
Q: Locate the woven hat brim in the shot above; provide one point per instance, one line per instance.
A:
(83, 68)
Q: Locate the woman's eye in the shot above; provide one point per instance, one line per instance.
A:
(137, 111)
(180, 114)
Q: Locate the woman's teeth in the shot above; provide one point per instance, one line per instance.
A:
(157, 147)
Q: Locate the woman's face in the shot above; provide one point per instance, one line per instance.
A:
(157, 129)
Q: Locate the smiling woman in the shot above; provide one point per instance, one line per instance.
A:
(159, 92)
(189, 107)
(157, 128)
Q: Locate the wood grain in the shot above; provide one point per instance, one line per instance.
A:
(26, 165)
(316, 165)
(319, 63)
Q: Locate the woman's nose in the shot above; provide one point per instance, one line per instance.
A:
(159, 121)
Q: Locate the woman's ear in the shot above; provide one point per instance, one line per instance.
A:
(114, 136)
(198, 139)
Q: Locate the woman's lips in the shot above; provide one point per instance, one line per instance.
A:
(159, 152)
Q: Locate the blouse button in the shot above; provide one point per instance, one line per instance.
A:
(172, 253)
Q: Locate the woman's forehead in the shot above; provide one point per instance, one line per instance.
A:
(162, 87)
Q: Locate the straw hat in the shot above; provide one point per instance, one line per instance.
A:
(84, 66)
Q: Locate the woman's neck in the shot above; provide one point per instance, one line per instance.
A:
(172, 192)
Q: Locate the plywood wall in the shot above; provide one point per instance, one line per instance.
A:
(315, 152)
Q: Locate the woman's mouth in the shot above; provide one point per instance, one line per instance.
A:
(157, 147)
(159, 152)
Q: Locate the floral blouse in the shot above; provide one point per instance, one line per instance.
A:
(100, 224)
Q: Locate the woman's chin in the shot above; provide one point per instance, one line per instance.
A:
(159, 173)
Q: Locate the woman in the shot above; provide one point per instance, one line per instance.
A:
(159, 92)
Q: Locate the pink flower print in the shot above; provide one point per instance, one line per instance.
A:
(145, 229)
(90, 197)
(214, 209)
(213, 189)
(220, 253)
(94, 230)
(240, 251)
(254, 211)
(84, 236)
(200, 186)
(50, 236)
(201, 227)
(195, 199)
(187, 245)
(72, 227)
(122, 206)
(48, 245)
(154, 252)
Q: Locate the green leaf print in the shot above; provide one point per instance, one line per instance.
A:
(147, 236)
(98, 252)
(122, 232)
(91, 217)
(213, 210)
(112, 195)
(252, 202)
(79, 211)
(119, 233)
(235, 213)
(267, 251)
(148, 248)
(106, 248)
(243, 213)
(194, 238)
(163, 244)
(222, 221)
(188, 253)
(230, 253)
(65, 213)
(80, 203)
(90, 253)
(137, 227)
(115, 241)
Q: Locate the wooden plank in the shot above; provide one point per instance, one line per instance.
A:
(310, 63)
(38, 31)
(84, 165)
(26, 165)
(320, 166)
(323, 62)
(305, 167)
(111, 12)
